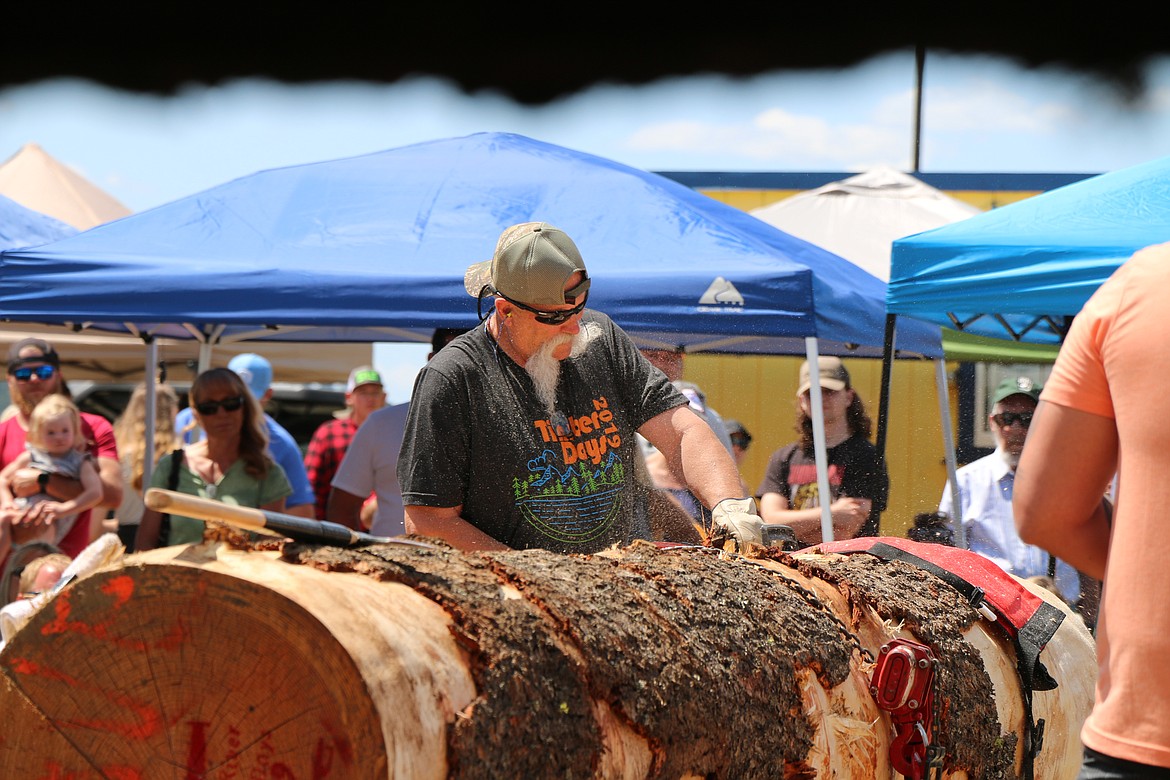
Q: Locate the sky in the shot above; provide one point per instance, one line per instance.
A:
(979, 114)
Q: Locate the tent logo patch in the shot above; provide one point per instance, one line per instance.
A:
(721, 293)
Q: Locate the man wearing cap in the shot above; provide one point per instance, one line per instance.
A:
(363, 396)
(740, 437)
(986, 486)
(34, 372)
(858, 484)
(522, 432)
(371, 466)
(256, 372)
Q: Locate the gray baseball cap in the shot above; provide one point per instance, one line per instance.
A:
(531, 264)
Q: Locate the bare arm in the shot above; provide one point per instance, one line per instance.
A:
(65, 488)
(695, 454)
(344, 508)
(148, 530)
(1065, 468)
(446, 523)
(301, 510)
(7, 474)
(368, 514)
(849, 515)
(89, 494)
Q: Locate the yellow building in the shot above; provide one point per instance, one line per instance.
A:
(760, 391)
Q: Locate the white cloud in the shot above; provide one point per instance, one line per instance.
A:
(985, 106)
(776, 137)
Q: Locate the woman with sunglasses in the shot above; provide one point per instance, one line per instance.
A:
(230, 465)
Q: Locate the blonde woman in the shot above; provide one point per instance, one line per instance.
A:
(130, 433)
(231, 464)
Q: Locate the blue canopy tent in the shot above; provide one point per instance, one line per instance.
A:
(374, 248)
(1024, 270)
(21, 227)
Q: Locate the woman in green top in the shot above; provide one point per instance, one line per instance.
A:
(231, 465)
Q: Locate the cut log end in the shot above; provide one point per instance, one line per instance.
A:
(175, 666)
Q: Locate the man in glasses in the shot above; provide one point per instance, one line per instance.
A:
(986, 487)
(34, 372)
(522, 432)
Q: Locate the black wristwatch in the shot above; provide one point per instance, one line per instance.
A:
(43, 480)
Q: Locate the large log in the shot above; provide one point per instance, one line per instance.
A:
(410, 662)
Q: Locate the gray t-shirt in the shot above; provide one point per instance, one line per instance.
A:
(477, 435)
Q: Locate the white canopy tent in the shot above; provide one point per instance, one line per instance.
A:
(36, 181)
(859, 218)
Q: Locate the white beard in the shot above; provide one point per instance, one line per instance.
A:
(545, 369)
(1012, 460)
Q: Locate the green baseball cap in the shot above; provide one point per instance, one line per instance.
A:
(363, 375)
(1018, 385)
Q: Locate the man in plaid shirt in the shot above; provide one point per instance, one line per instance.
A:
(364, 394)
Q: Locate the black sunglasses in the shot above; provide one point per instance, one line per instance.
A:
(1004, 419)
(209, 408)
(548, 317)
(25, 373)
(741, 440)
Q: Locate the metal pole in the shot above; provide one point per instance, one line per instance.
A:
(819, 448)
(151, 410)
(919, 66)
(883, 421)
(944, 410)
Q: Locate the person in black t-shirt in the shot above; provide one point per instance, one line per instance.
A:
(789, 493)
(522, 432)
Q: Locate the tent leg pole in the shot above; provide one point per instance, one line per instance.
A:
(151, 409)
(874, 522)
(944, 408)
(821, 451)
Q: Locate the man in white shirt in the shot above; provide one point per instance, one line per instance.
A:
(985, 491)
(370, 465)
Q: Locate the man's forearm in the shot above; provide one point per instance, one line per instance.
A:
(446, 524)
(344, 508)
(62, 488)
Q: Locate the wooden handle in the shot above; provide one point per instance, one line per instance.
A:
(263, 520)
(206, 509)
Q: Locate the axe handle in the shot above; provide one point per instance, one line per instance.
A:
(262, 520)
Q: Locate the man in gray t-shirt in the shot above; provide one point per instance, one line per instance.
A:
(522, 432)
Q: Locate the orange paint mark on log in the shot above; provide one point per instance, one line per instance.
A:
(34, 669)
(149, 720)
(61, 623)
(121, 588)
(54, 771)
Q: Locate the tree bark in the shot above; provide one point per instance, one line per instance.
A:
(406, 662)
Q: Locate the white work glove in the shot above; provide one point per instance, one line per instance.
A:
(736, 518)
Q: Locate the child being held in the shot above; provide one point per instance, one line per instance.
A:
(54, 445)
